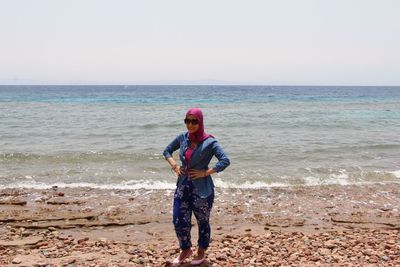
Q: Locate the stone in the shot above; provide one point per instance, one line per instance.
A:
(21, 242)
(385, 258)
(81, 240)
(324, 251)
(16, 261)
(13, 201)
(330, 244)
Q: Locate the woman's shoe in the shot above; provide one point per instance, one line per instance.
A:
(198, 262)
(178, 262)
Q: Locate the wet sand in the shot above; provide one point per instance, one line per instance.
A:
(286, 226)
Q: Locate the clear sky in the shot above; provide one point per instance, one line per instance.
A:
(282, 42)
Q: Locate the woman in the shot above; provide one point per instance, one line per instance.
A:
(195, 188)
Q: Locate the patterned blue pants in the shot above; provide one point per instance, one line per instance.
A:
(186, 202)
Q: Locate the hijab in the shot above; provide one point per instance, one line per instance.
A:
(200, 135)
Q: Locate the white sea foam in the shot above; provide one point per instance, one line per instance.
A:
(246, 185)
(340, 179)
(140, 184)
(333, 179)
(396, 173)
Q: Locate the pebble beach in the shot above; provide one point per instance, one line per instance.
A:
(332, 225)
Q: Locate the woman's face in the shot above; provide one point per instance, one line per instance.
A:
(191, 124)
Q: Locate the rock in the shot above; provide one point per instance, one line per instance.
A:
(41, 264)
(81, 240)
(13, 201)
(267, 251)
(62, 237)
(133, 251)
(330, 244)
(137, 261)
(368, 252)
(336, 258)
(391, 242)
(221, 257)
(373, 259)
(324, 251)
(58, 201)
(69, 261)
(22, 242)
(16, 261)
(26, 234)
(55, 233)
(40, 199)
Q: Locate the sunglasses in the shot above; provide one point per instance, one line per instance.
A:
(193, 122)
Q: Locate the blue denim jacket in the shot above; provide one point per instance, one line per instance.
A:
(199, 160)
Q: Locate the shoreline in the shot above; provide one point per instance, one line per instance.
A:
(164, 185)
(114, 227)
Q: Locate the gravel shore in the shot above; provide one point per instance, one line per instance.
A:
(286, 226)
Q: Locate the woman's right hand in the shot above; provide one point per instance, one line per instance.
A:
(177, 169)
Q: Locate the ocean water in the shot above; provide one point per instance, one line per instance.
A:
(113, 136)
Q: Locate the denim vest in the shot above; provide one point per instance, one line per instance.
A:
(199, 160)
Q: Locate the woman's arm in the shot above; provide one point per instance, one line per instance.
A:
(174, 145)
(223, 160)
(175, 167)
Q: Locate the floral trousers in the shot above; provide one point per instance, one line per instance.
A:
(186, 202)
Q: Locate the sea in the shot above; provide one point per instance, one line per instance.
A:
(114, 136)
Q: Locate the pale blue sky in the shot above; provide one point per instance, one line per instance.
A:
(282, 42)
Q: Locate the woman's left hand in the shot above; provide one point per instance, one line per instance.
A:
(197, 174)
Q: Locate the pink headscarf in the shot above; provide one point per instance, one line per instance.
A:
(199, 135)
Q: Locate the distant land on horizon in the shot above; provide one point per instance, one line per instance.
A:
(175, 82)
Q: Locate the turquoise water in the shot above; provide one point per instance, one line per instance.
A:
(113, 136)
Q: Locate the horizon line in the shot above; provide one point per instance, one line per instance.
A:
(205, 84)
